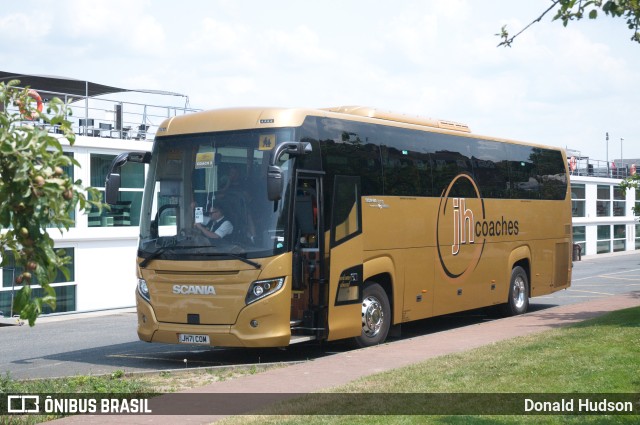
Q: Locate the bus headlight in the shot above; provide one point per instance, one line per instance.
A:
(143, 289)
(263, 288)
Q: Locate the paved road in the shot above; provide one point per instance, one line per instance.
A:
(105, 342)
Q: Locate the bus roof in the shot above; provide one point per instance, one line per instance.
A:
(254, 117)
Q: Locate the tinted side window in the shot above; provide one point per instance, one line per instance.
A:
(347, 214)
(451, 156)
(349, 148)
(406, 162)
(523, 173)
(551, 173)
(489, 160)
(401, 162)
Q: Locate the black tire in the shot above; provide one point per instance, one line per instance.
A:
(518, 301)
(376, 316)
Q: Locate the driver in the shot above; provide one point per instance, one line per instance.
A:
(219, 226)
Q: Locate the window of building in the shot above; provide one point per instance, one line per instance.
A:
(579, 237)
(578, 200)
(619, 237)
(619, 203)
(637, 236)
(604, 239)
(65, 300)
(603, 203)
(127, 211)
(637, 211)
(65, 288)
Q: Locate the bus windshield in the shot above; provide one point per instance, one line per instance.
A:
(206, 198)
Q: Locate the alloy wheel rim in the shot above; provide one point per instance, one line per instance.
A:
(372, 316)
(519, 295)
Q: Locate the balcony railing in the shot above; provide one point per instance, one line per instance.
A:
(126, 115)
(584, 166)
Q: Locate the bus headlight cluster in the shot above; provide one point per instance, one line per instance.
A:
(143, 289)
(263, 288)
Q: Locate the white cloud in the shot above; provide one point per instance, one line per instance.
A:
(437, 58)
(298, 45)
(415, 36)
(148, 36)
(20, 27)
(212, 35)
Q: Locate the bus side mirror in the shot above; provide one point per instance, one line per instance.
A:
(274, 183)
(292, 148)
(112, 187)
(112, 182)
(274, 174)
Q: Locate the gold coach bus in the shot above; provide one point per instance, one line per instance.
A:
(344, 222)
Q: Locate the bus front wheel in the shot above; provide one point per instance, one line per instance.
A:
(376, 316)
(518, 301)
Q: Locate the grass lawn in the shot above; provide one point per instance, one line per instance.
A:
(598, 356)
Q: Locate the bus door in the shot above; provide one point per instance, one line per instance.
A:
(308, 311)
(345, 260)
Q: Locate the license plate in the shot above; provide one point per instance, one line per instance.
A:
(193, 339)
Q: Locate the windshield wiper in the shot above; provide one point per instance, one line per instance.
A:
(168, 244)
(235, 256)
(155, 254)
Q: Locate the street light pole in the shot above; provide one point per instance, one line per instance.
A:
(624, 172)
(608, 154)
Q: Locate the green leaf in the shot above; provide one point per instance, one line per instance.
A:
(7, 148)
(21, 298)
(31, 311)
(593, 14)
(65, 271)
(50, 254)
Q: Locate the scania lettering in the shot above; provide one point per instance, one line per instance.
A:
(193, 289)
(345, 221)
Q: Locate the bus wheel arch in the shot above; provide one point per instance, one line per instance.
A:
(376, 315)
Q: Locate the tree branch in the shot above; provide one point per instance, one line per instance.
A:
(505, 34)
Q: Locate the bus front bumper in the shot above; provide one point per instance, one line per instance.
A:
(268, 329)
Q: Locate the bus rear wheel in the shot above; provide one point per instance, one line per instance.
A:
(518, 301)
(376, 316)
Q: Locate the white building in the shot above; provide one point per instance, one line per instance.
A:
(102, 245)
(603, 219)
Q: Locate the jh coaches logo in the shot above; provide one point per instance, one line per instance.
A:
(462, 227)
(459, 250)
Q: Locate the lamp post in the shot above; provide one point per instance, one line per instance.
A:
(607, 133)
(621, 157)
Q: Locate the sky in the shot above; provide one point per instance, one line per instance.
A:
(559, 86)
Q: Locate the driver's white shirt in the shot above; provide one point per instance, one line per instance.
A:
(225, 228)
